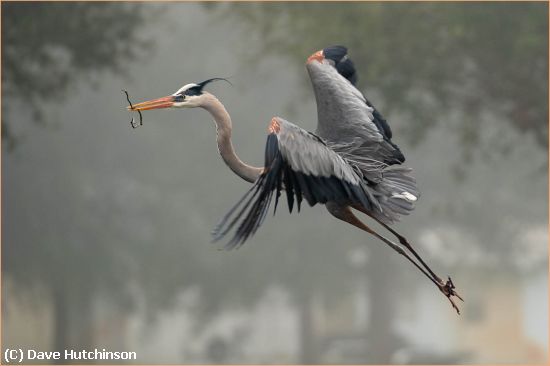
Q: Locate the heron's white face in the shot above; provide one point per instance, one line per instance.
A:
(188, 102)
(188, 96)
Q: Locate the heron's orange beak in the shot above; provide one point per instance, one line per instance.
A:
(165, 102)
(317, 56)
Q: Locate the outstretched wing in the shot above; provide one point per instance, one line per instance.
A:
(305, 167)
(345, 67)
(347, 120)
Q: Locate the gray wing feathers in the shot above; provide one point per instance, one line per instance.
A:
(391, 190)
(306, 153)
(344, 116)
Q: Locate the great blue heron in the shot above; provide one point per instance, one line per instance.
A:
(349, 163)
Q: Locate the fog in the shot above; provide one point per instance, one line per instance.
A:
(106, 229)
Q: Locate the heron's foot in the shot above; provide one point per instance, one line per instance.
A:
(449, 291)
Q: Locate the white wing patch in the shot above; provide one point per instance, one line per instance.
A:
(406, 196)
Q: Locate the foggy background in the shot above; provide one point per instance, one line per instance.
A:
(106, 229)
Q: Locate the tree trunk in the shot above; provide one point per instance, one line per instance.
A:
(73, 318)
(381, 338)
(308, 354)
(82, 319)
(61, 319)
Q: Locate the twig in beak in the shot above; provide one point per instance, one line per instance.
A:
(132, 122)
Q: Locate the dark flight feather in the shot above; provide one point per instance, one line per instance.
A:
(342, 63)
(250, 211)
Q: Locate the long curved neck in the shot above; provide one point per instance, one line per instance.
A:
(225, 146)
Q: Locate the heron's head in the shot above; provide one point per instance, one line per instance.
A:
(337, 57)
(188, 96)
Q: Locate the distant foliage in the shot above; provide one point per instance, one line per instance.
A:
(424, 58)
(46, 47)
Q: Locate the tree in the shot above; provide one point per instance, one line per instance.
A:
(46, 48)
(495, 56)
(92, 38)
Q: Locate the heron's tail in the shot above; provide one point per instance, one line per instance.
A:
(396, 192)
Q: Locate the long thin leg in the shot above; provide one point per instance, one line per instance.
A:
(406, 243)
(402, 240)
(344, 213)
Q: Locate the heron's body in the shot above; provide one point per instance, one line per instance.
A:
(349, 163)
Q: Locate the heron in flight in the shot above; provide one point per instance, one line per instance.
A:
(349, 163)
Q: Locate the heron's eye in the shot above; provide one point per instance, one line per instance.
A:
(179, 98)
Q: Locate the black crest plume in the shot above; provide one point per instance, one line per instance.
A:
(202, 84)
(197, 90)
